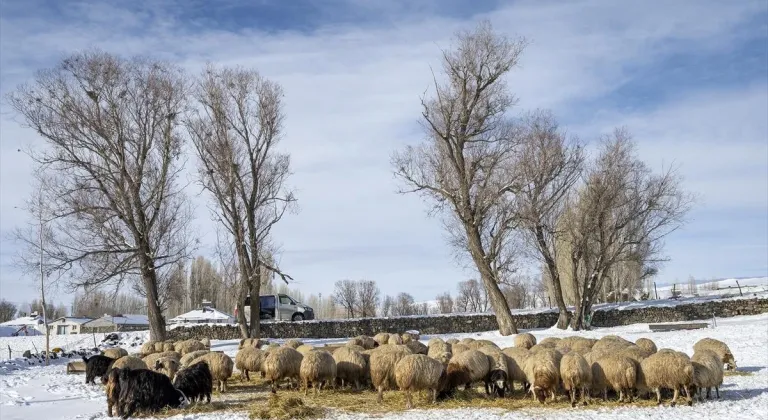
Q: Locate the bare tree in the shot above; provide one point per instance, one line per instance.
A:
(7, 310)
(96, 303)
(550, 164)
(471, 297)
(465, 166)
(404, 305)
(345, 295)
(387, 306)
(51, 310)
(367, 298)
(235, 130)
(517, 291)
(444, 303)
(621, 214)
(110, 129)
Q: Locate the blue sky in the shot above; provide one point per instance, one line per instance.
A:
(688, 78)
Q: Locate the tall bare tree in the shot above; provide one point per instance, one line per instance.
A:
(387, 305)
(550, 164)
(621, 214)
(444, 303)
(367, 298)
(345, 295)
(110, 131)
(7, 310)
(472, 297)
(235, 130)
(404, 305)
(465, 165)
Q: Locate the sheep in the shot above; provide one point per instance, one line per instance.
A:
(707, 372)
(362, 341)
(115, 353)
(190, 358)
(168, 366)
(352, 347)
(249, 359)
(112, 382)
(452, 341)
(466, 368)
(549, 342)
(576, 375)
(147, 391)
(292, 343)
(317, 368)
(542, 372)
(351, 366)
(250, 342)
(168, 346)
(719, 348)
(382, 367)
(96, 366)
(438, 348)
(477, 344)
(417, 347)
(406, 338)
(666, 369)
(515, 361)
(459, 348)
(646, 344)
(381, 339)
(416, 372)
(574, 343)
(525, 340)
(282, 363)
(304, 349)
(129, 362)
(611, 342)
(395, 339)
(497, 381)
(635, 353)
(152, 358)
(148, 348)
(467, 340)
(160, 346)
(188, 346)
(617, 372)
(221, 368)
(434, 341)
(206, 342)
(195, 381)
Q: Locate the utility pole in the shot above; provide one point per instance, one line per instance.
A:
(41, 227)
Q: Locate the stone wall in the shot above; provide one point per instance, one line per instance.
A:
(468, 323)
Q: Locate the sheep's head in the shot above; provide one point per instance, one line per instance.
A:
(498, 379)
(730, 362)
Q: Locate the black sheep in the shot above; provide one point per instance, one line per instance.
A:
(96, 366)
(149, 391)
(496, 383)
(196, 382)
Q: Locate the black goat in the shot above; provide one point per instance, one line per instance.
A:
(196, 382)
(149, 391)
(96, 366)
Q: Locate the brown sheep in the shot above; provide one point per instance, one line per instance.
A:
(115, 353)
(220, 366)
(129, 362)
(249, 359)
(719, 348)
(666, 369)
(188, 346)
(452, 341)
(612, 343)
(542, 371)
(406, 338)
(434, 341)
(306, 348)
(417, 347)
(382, 367)
(516, 361)
(634, 352)
(549, 342)
(459, 348)
(148, 348)
(525, 340)
(707, 372)
(154, 357)
(293, 343)
(416, 372)
(317, 368)
(351, 366)
(466, 368)
(189, 358)
(282, 363)
(646, 344)
(617, 372)
(438, 348)
(395, 339)
(576, 375)
(467, 340)
(168, 366)
(381, 339)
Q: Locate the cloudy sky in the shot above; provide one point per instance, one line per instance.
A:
(688, 78)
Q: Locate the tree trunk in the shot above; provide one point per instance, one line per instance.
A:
(154, 312)
(241, 321)
(255, 303)
(564, 318)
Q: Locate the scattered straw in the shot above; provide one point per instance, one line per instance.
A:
(286, 407)
(737, 373)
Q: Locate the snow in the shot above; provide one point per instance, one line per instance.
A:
(34, 392)
(198, 316)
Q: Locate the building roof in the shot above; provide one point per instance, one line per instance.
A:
(25, 320)
(73, 319)
(203, 314)
(122, 319)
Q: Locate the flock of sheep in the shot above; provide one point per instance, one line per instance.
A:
(175, 374)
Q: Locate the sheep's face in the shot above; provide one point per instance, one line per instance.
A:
(730, 363)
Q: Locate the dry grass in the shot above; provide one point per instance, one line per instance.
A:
(286, 407)
(737, 373)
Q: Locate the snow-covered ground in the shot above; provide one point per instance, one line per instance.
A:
(39, 392)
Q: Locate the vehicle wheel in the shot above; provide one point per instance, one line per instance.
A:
(298, 317)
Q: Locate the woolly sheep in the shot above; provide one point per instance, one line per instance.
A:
(249, 359)
(467, 340)
(646, 344)
(304, 349)
(611, 342)
(168, 346)
(188, 346)
(549, 342)
(635, 353)
(160, 347)
(525, 340)
(466, 368)
(189, 358)
(443, 358)
(148, 348)
(666, 369)
(351, 366)
(206, 342)
(395, 339)
(549, 351)
(617, 372)
(381, 338)
(452, 341)
(154, 357)
(515, 361)
(576, 375)
(221, 367)
(416, 372)
(317, 368)
(168, 366)
(438, 348)
(707, 372)
(382, 367)
(282, 363)
(293, 343)
(459, 348)
(115, 353)
(497, 381)
(719, 348)
(574, 343)
(417, 347)
(251, 342)
(477, 344)
(129, 362)
(362, 341)
(542, 371)
(353, 347)
(406, 338)
(435, 341)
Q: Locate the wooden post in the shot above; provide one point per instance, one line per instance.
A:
(739, 286)
(656, 290)
(9, 352)
(550, 301)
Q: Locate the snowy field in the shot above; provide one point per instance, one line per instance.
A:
(39, 392)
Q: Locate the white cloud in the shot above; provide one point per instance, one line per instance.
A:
(352, 97)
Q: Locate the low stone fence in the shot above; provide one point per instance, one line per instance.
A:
(469, 323)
